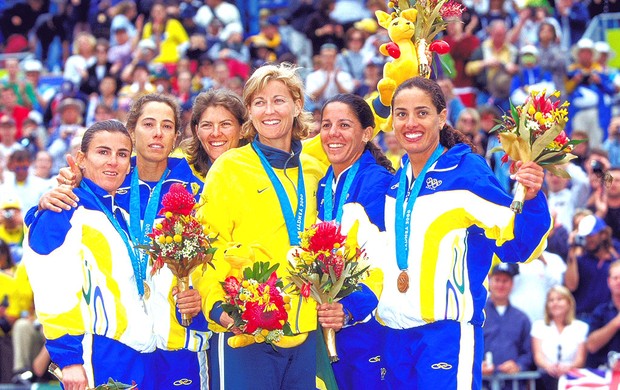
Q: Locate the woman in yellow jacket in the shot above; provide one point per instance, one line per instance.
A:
(264, 194)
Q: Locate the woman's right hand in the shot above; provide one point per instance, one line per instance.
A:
(74, 377)
(227, 322)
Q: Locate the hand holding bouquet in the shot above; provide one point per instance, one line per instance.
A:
(534, 132)
(257, 304)
(327, 267)
(179, 240)
(111, 385)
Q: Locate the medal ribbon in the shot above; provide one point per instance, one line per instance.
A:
(133, 253)
(294, 222)
(139, 229)
(328, 195)
(403, 216)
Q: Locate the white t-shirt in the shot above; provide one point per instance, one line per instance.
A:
(570, 338)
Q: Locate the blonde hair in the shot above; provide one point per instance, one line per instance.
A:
(287, 74)
(566, 294)
(92, 41)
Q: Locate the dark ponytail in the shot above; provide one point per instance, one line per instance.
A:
(449, 136)
(379, 156)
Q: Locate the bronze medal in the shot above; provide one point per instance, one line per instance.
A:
(402, 282)
(147, 291)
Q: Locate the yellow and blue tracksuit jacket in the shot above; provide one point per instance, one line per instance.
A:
(460, 221)
(83, 281)
(360, 341)
(161, 306)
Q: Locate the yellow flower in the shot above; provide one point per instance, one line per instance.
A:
(264, 332)
(168, 214)
(178, 238)
(169, 240)
(391, 4)
(259, 338)
(243, 297)
(531, 110)
(158, 226)
(286, 299)
(287, 307)
(245, 284)
(161, 239)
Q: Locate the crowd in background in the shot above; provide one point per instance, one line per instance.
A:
(70, 64)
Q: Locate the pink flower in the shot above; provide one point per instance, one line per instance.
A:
(305, 290)
(452, 9)
(232, 285)
(561, 138)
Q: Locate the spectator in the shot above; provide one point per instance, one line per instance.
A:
(23, 89)
(124, 13)
(169, 36)
(589, 257)
(573, 18)
(506, 328)
(582, 150)
(351, 59)
(11, 225)
(184, 91)
(534, 281)
(604, 336)
(144, 54)
(558, 341)
(496, 56)
(140, 84)
(329, 80)
(8, 139)
(551, 57)
(21, 18)
(530, 77)
(9, 107)
(468, 123)
(100, 69)
(565, 196)
(42, 166)
(76, 66)
(268, 45)
(7, 318)
(232, 50)
(106, 97)
(557, 240)
(52, 35)
(498, 10)
(611, 210)
(597, 165)
(394, 151)
(23, 184)
(462, 46)
(587, 86)
(489, 117)
(225, 13)
(321, 28)
(372, 74)
(454, 104)
(34, 134)
(71, 119)
(43, 93)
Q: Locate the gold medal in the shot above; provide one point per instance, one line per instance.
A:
(402, 282)
(147, 291)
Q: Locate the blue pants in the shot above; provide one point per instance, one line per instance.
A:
(261, 366)
(359, 349)
(441, 355)
(181, 369)
(113, 359)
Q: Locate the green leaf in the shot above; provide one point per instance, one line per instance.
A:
(286, 328)
(558, 171)
(545, 139)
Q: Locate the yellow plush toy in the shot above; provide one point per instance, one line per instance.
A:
(401, 30)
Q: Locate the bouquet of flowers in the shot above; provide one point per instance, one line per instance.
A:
(111, 385)
(257, 304)
(534, 131)
(431, 19)
(327, 267)
(179, 240)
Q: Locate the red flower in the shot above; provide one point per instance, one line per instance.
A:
(327, 235)
(232, 286)
(505, 159)
(178, 200)
(440, 47)
(561, 138)
(257, 317)
(305, 290)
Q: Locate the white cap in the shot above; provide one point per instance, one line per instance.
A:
(32, 65)
(585, 43)
(602, 47)
(529, 49)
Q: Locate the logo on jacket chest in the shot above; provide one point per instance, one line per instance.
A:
(432, 183)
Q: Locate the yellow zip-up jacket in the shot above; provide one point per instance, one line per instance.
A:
(240, 205)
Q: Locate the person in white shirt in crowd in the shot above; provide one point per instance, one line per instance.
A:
(19, 181)
(559, 340)
(533, 282)
(564, 196)
(8, 143)
(227, 13)
(328, 80)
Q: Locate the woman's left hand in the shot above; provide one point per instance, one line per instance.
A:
(331, 315)
(531, 175)
(188, 301)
